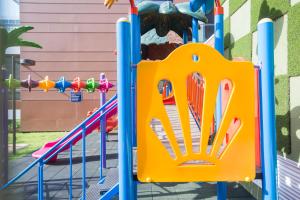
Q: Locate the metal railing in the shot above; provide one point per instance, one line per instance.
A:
(64, 143)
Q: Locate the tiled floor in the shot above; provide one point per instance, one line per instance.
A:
(56, 176)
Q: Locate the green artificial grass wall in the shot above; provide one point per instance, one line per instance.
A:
(234, 5)
(241, 48)
(222, 1)
(294, 41)
(282, 114)
(227, 33)
(267, 8)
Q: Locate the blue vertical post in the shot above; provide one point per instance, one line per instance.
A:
(103, 128)
(41, 181)
(219, 46)
(268, 126)
(202, 28)
(185, 38)
(195, 5)
(135, 36)
(83, 162)
(71, 173)
(195, 31)
(135, 39)
(126, 185)
(219, 29)
(167, 90)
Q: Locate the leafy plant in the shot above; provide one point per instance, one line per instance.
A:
(12, 39)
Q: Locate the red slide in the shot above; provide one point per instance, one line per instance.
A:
(92, 124)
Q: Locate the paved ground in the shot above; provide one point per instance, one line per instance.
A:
(18, 147)
(56, 178)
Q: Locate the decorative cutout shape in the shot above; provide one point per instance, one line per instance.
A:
(237, 160)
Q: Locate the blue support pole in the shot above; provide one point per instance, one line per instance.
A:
(195, 31)
(83, 163)
(135, 38)
(126, 185)
(195, 5)
(102, 132)
(71, 173)
(185, 38)
(268, 126)
(167, 90)
(219, 46)
(219, 30)
(41, 181)
(135, 34)
(202, 28)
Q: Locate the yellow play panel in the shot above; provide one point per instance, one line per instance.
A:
(154, 162)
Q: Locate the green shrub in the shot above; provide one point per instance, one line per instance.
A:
(10, 125)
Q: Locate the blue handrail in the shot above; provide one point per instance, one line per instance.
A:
(79, 133)
(71, 173)
(40, 160)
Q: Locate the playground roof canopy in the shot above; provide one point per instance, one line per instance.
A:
(167, 16)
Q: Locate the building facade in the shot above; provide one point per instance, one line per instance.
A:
(78, 39)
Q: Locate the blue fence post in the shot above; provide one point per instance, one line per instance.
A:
(41, 181)
(71, 172)
(219, 46)
(83, 162)
(195, 31)
(185, 38)
(167, 90)
(135, 36)
(202, 27)
(102, 131)
(268, 126)
(195, 5)
(126, 185)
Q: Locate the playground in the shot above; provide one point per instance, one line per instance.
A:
(56, 186)
(181, 121)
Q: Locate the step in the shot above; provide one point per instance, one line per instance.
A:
(94, 191)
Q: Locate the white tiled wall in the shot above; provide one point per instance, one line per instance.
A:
(226, 8)
(293, 2)
(254, 48)
(281, 45)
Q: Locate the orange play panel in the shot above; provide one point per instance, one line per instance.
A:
(236, 162)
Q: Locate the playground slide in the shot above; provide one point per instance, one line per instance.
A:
(170, 100)
(92, 124)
